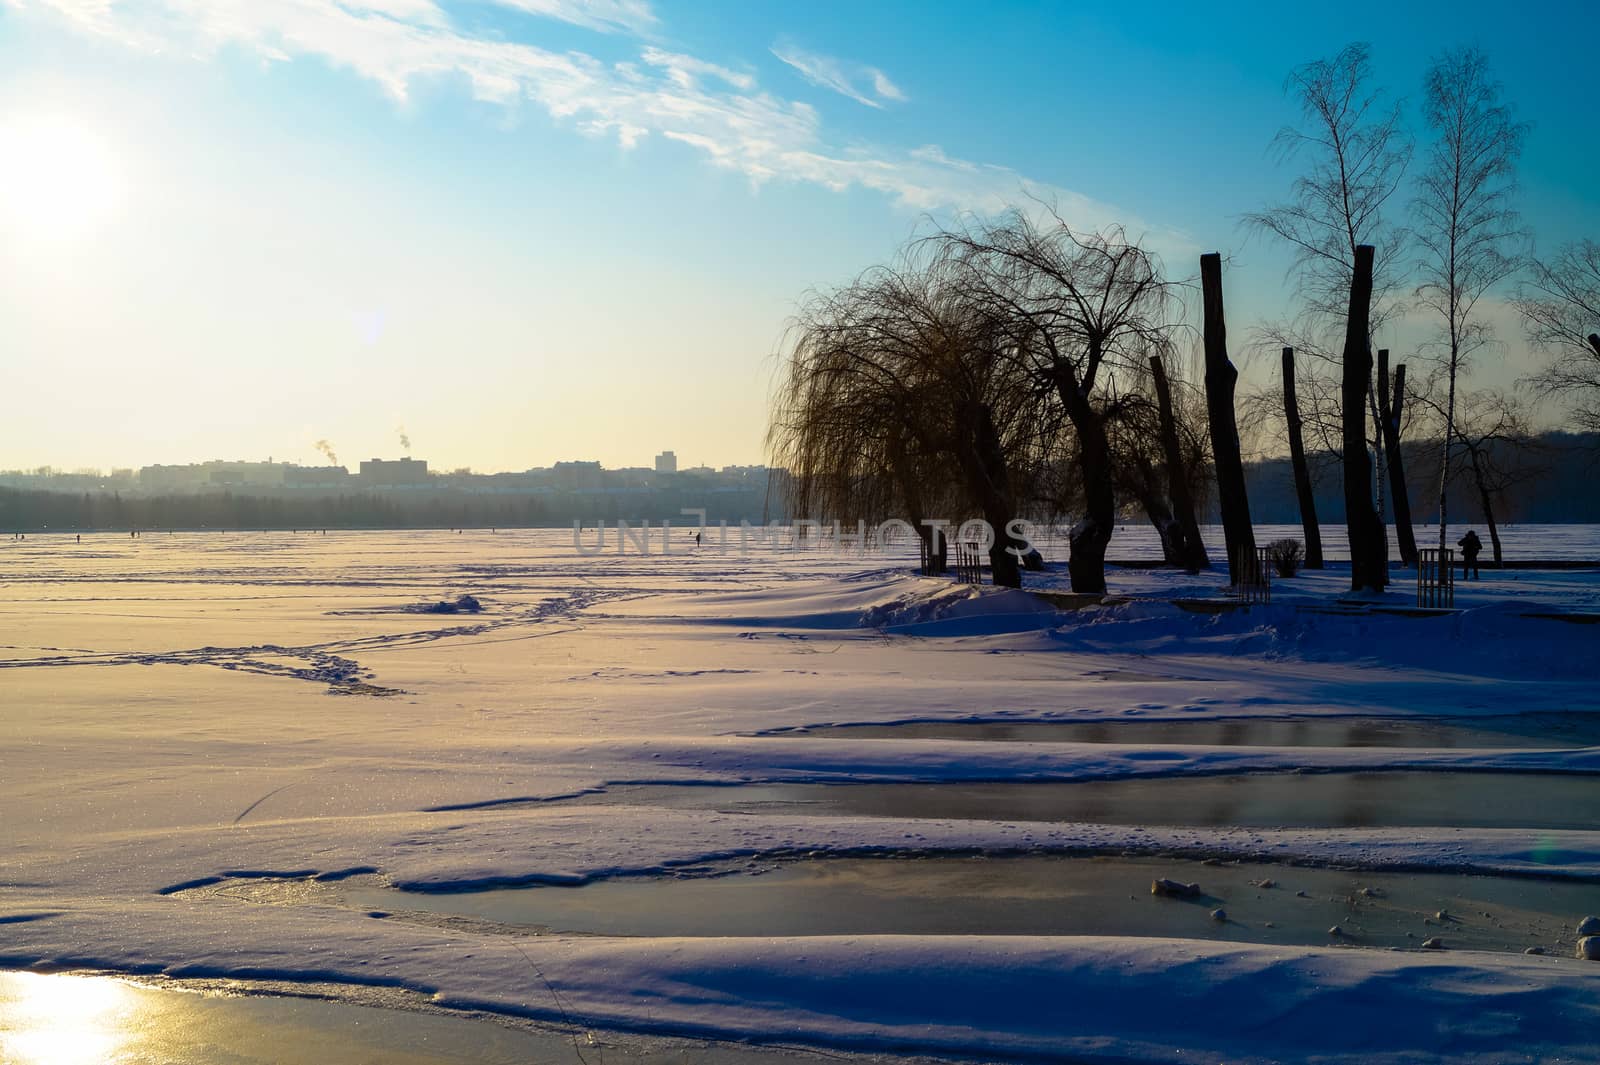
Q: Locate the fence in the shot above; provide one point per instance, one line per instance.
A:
(932, 562)
(968, 563)
(1252, 575)
(1436, 577)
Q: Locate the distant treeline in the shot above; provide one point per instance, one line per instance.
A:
(32, 510)
(1547, 479)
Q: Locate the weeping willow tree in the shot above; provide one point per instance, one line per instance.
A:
(1001, 370)
(1083, 311)
(896, 400)
(843, 423)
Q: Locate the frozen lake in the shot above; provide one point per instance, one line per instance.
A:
(221, 753)
(97, 1020)
(1266, 800)
(1131, 540)
(1549, 542)
(1040, 896)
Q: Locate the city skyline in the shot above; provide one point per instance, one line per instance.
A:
(353, 467)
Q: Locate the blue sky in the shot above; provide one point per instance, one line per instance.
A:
(533, 230)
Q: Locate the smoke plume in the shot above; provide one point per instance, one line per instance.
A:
(327, 449)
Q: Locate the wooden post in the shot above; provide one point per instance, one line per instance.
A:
(1389, 411)
(1194, 550)
(1368, 563)
(1221, 377)
(1302, 472)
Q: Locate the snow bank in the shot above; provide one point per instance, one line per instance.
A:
(878, 599)
(1090, 998)
(1496, 640)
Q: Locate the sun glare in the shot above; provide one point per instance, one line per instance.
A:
(59, 180)
(62, 1020)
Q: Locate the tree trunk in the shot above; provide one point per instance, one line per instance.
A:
(1594, 342)
(1487, 502)
(1086, 565)
(1090, 536)
(1379, 447)
(1389, 421)
(935, 547)
(1145, 485)
(991, 483)
(1221, 378)
(1302, 472)
(1194, 549)
(1368, 566)
(1004, 567)
(1380, 467)
(1453, 367)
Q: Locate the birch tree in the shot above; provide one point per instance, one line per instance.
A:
(1464, 221)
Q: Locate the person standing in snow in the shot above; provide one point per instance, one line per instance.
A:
(1470, 546)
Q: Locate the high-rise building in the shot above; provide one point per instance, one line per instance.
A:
(667, 462)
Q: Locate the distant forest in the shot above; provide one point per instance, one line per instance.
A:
(1548, 479)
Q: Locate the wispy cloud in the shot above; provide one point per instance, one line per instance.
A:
(861, 83)
(608, 16)
(715, 110)
(685, 70)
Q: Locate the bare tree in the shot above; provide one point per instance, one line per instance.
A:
(1082, 311)
(1465, 224)
(1496, 448)
(1560, 308)
(1357, 151)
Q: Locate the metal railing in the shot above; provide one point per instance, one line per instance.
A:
(1436, 577)
(1252, 575)
(968, 563)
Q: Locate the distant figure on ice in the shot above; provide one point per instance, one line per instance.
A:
(1470, 546)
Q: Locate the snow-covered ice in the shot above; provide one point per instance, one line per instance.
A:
(235, 706)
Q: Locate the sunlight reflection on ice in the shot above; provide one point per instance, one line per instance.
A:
(57, 1020)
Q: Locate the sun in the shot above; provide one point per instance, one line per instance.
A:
(59, 179)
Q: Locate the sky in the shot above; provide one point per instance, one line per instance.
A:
(528, 231)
